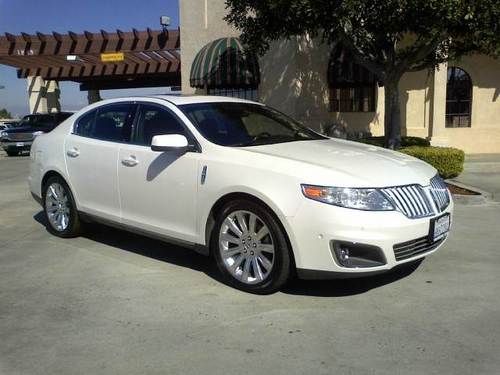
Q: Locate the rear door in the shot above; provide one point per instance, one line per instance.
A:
(92, 154)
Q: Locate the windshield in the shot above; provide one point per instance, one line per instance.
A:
(243, 124)
(35, 121)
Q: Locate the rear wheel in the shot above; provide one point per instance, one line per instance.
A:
(250, 248)
(60, 209)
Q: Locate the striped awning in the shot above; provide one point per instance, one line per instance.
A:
(224, 63)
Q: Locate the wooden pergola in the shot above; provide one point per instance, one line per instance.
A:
(102, 60)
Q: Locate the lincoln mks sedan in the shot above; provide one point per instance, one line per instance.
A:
(263, 195)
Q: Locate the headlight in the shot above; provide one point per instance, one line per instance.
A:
(35, 134)
(3, 134)
(360, 199)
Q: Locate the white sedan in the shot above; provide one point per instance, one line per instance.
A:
(263, 195)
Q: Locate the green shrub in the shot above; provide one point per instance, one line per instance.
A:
(414, 141)
(405, 141)
(447, 160)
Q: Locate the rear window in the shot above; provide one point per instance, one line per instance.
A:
(38, 121)
(46, 121)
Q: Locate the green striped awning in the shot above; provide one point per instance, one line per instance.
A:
(224, 63)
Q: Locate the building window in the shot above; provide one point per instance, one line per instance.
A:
(352, 99)
(242, 93)
(352, 87)
(458, 98)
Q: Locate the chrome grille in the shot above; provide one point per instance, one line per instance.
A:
(20, 136)
(416, 201)
(411, 200)
(439, 192)
(408, 249)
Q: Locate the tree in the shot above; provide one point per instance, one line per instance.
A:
(388, 37)
(4, 113)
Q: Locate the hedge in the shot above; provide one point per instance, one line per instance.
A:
(447, 160)
(405, 141)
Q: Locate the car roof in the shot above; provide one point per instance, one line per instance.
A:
(50, 114)
(193, 99)
(177, 99)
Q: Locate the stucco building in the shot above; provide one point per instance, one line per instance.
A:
(456, 105)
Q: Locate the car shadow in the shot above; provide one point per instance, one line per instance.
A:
(349, 287)
(184, 257)
(145, 246)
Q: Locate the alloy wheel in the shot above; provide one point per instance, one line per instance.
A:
(57, 206)
(246, 247)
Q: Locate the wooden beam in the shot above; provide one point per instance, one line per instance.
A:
(59, 44)
(26, 37)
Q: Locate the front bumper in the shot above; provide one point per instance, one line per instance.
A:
(16, 145)
(317, 226)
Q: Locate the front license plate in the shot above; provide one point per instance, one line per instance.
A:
(439, 227)
(20, 144)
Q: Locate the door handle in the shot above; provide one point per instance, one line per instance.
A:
(131, 161)
(73, 153)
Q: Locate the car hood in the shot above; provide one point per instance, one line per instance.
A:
(23, 129)
(356, 163)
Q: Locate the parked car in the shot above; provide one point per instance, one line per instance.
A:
(7, 124)
(19, 138)
(242, 182)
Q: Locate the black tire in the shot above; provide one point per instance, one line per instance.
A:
(74, 227)
(281, 269)
(12, 153)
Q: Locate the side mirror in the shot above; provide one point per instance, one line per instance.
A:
(170, 142)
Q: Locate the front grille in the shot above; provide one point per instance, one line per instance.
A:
(416, 201)
(20, 136)
(408, 249)
(411, 200)
(439, 192)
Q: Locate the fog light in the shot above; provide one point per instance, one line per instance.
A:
(344, 253)
(357, 255)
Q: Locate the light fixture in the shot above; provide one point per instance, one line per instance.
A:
(164, 22)
(73, 58)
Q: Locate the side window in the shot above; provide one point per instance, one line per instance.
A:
(113, 123)
(84, 125)
(155, 120)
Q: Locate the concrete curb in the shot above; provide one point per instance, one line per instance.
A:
(471, 200)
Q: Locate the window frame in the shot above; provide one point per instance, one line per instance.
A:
(192, 141)
(224, 90)
(448, 119)
(80, 118)
(335, 105)
(346, 78)
(96, 111)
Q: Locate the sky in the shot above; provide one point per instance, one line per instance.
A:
(29, 16)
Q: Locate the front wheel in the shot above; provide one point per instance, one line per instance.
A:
(12, 153)
(250, 248)
(60, 209)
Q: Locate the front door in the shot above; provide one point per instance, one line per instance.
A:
(158, 189)
(91, 153)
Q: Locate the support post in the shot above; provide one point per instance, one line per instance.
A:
(438, 113)
(43, 96)
(93, 96)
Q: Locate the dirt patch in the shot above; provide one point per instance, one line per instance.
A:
(456, 190)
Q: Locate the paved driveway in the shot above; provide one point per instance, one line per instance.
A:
(117, 303)
(483, 171)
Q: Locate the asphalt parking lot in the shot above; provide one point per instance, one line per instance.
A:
(116, 303)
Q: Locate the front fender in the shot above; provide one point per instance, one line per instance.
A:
(283, 212)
